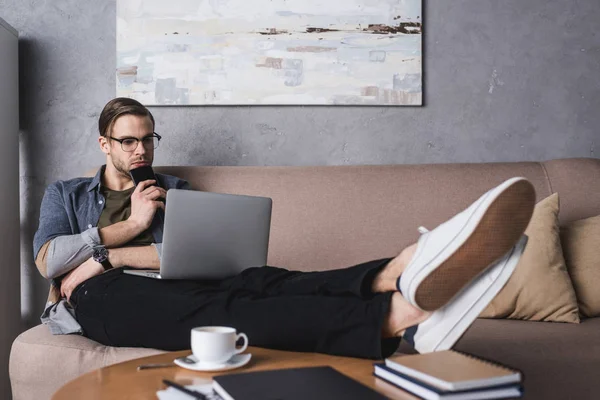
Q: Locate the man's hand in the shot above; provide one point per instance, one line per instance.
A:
(144, 203)
(85, 271)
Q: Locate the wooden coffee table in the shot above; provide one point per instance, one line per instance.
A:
(124, 381)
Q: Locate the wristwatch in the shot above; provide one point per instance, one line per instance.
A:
(101, 256)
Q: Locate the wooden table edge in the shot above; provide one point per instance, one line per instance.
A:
(124, 381)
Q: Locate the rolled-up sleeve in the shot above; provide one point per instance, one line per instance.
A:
(68, 252)
(65, 250)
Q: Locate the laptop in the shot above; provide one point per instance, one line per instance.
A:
(211, 235)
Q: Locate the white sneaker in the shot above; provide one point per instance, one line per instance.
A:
(445, 326)
(451, 255)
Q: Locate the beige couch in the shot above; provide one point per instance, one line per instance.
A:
(336, 216)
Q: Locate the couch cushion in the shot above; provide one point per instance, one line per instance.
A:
(540, 289)
(559, 361)
(576, 179)
(581, 241)
(40, 363)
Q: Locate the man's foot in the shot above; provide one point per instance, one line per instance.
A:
(402, 315)
(445, 326)
(387, 279)
(450, 256)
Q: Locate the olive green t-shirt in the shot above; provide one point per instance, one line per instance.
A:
(117, 208)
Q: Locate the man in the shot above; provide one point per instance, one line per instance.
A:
(90, 228)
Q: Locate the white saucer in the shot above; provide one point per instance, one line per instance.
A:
(238, 360)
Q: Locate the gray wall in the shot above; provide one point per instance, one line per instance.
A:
(504, 81)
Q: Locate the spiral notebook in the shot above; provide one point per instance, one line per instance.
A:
(428, 392)
(452, 370)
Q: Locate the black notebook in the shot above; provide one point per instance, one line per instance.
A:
(314, 383)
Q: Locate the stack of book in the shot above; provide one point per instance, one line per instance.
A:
(450, 375)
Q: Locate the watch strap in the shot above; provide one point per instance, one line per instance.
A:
(106, 265)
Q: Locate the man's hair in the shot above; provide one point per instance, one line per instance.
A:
(117, 108)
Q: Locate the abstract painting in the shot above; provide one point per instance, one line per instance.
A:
(270, 52)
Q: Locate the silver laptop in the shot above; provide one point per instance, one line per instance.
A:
(211, 235)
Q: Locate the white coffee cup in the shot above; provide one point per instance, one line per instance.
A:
(216, 344)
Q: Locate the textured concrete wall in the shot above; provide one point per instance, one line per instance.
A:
(503, 81)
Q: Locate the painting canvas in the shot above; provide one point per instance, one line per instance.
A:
(258, 52)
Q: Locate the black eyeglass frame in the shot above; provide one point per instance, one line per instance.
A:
(153, 135)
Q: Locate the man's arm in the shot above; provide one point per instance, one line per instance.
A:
(144, 257)
(64, 251)
(137, 257)
(144, 204)
(57, 249)
(116, 235)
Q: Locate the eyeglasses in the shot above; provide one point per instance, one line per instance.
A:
(149, 142)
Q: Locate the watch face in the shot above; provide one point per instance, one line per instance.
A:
(100, 254)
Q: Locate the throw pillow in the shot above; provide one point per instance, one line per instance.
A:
(581, 246)
(540, 288)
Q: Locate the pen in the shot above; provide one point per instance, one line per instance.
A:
(196, 395)
(148, 366)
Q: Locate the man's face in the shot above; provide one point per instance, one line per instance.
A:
(129, 127)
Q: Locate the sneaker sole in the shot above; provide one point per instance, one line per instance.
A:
(472, 310)
(501, 226)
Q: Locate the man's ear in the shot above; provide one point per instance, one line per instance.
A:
(104, 144)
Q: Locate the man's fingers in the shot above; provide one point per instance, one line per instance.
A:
(149, 191)
(63, 289)
(155, 193)
(143, 185)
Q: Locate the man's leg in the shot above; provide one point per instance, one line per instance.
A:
(431, 272)
(272, 281)
(123, 310)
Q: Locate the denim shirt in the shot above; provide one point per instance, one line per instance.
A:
(69, 217)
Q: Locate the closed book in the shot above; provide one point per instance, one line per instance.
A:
(429, 392)
(453, 370)
(314, 383)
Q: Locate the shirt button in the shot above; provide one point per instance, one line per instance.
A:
(90, 226)
(100, 202)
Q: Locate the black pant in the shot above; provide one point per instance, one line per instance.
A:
(331, 312)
